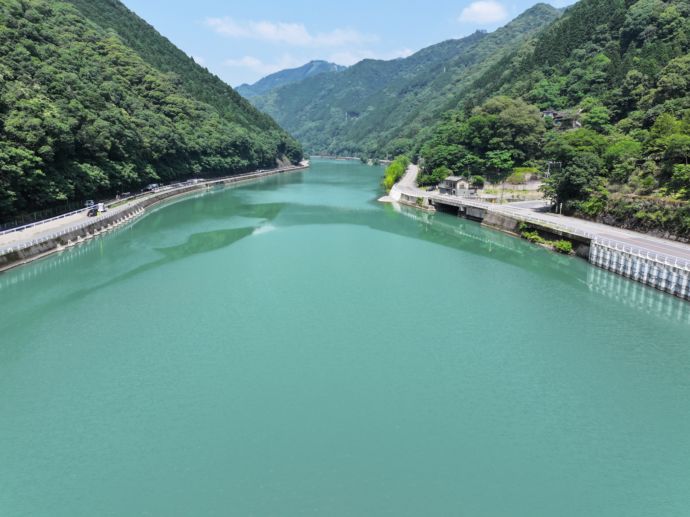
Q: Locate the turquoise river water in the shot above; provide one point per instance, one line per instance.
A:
(292, 347)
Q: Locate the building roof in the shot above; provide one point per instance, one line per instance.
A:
(455, 178)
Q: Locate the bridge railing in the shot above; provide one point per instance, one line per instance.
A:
(41, 222)
(55, 235)
(644, 253)
(517, 213)
(520, 215)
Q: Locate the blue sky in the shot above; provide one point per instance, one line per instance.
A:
(244, 41)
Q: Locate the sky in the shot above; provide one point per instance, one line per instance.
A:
(242, 42)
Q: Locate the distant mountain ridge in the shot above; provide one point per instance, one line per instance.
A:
(377, 107)
(290, 76)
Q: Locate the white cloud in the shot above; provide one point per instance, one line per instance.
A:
(484, 12)
(263, 68)
(350, 57)
(289, 33)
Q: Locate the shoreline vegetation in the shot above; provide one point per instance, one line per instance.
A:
(395, 171)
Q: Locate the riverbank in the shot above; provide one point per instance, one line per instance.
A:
(656, 262)
(42, 242)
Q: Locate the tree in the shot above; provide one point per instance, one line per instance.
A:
(501, 162)
(576, 180)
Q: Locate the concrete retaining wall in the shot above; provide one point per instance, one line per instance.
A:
(671, 278)
(501, 222)
(39, 248)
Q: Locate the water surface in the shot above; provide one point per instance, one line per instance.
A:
(292, 347)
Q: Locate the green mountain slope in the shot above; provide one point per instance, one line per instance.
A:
(83, 113)
(617, 74)
(376, 107)
(160, 53)
(285, 77)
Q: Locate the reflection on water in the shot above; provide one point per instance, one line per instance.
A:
(637, 296)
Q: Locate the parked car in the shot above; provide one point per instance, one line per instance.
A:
(151, 187)
(89, 203)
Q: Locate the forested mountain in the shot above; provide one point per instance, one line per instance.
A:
(378, 107)
(94, 101)
(285, 77)
(604, 94)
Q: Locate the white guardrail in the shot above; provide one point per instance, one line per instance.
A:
(73, 228)
(54, 235)
(644, 253)
(520, 214)
(42, 221)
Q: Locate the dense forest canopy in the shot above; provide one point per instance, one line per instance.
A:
(83, 114)
(604, 95)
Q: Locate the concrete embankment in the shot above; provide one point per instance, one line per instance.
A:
(32, 249)
(658, 263)
(667, 273)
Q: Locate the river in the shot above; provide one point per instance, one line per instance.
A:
(292, 347)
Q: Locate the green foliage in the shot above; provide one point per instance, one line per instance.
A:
(648, 214)
(478, 181)
(681, 180)
(517, 178)
(617, 70)
(82, 114)
(564, 247)
(561, 246)
(437, 176)
(596, 203)
(533, 237)
(576, 180)
(489, 140)
(385, 108)
(395, 171)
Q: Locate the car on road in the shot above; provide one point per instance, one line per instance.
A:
(89, 203)
(97, 209)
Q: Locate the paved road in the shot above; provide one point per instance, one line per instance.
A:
(671, 249)
(47, 230)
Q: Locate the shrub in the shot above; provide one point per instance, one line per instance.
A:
(533, 237)
(395, 171)
(565, 247)
(478, 181)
